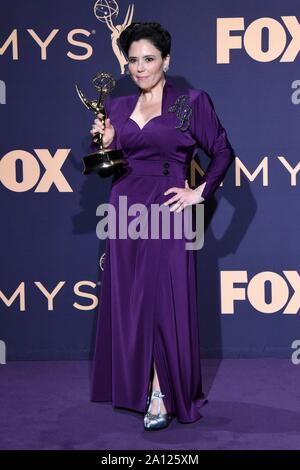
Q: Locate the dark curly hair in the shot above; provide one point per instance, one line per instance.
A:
(154, 32)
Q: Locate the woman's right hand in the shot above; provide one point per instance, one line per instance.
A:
(108, 130)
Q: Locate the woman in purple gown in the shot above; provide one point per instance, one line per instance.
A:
(147, 354)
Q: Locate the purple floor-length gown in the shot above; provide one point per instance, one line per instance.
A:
(148, 306)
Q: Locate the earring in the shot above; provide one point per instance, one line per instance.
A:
(166, 68)
(126, 68)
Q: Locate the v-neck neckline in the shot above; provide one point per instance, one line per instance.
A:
(150, 120)
(135, 100)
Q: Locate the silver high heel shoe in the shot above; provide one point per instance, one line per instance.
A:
(158, 421)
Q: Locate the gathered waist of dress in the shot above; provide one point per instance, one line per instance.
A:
(164, 168)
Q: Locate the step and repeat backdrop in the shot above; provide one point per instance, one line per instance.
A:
(245, 54)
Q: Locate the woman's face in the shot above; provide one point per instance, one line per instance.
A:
(145, 64)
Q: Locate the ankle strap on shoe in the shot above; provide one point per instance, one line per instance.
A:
(159, 395)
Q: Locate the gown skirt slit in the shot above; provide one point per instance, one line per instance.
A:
(148, 305)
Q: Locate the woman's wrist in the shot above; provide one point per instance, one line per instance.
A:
(199, 190)
(108, 144)
(199, 196)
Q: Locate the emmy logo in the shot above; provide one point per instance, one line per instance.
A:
(105, 11)
(2, 352)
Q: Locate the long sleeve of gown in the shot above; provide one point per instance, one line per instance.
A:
(212, 138)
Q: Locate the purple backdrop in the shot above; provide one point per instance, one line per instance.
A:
(245, 55)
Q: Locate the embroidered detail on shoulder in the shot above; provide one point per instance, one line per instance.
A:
(183, 112)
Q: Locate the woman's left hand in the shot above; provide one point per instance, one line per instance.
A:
(184, 197)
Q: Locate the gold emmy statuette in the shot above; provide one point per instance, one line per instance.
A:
(103, 161)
